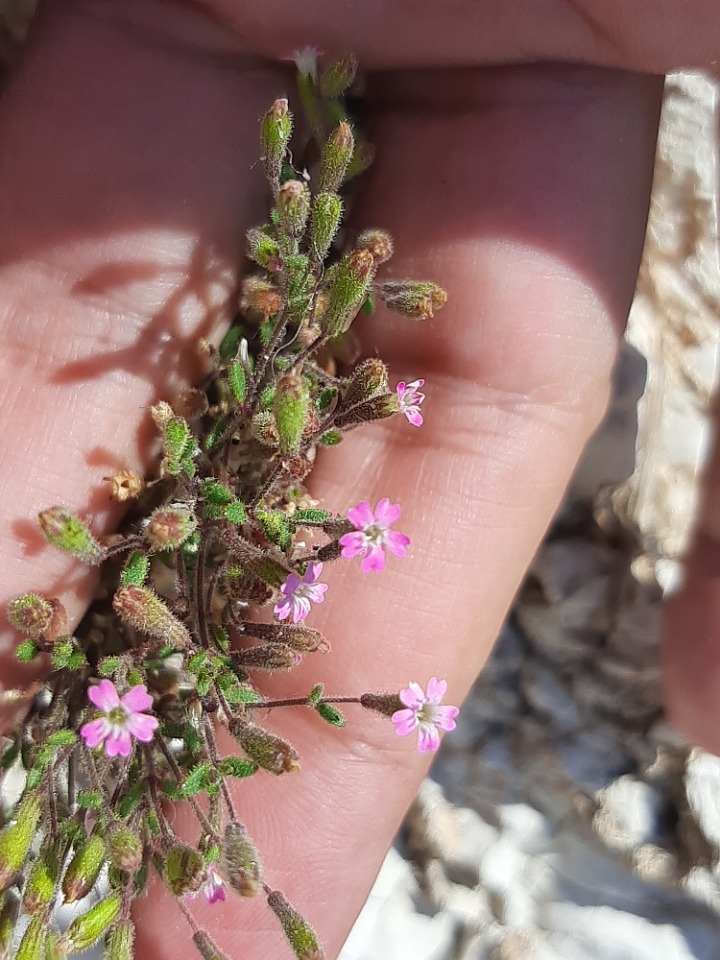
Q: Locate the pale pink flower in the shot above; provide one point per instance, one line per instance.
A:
(424, 713)
(306, 61)
(213, 889)
(124, 718)
(299, 593)
(409, 400)
(373, 534)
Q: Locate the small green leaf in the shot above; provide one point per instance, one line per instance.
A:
(217, 493)
(248, 695)
(326, 397)
(330, 713)
(172, 791)
(231, 342)
(193, 740)
(238, 381)
(108, 665)
(62, 654)
(131, 798)
(236, 767)
(135, 570)
(135, 678)
(214, 434)
(198, 662)
(61, 738)
(26, 651)
(330, 438)
(301, 517)
(316, 694)
(221, 638)
(235, 512)
(199, 779)
(368, 307)
(90, 800)
(77, 660)
(275, 526)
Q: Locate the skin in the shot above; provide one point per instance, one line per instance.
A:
(518, 177)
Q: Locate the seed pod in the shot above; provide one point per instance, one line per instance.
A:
(270, 657)
(338, 76)
(260, 299)
(68, 533)
(263, 249)
(85, 931)
(33, 941)
(125, 849)
(84, 868)
(348, 289)
(183, 870)
(125, 485)
(379, 408)
(54, 947)
(378, 242)
(267, 750)
(15, 839)
(30, 614)
(301, 936)
(146, 612)
(293, 207)
(40, 886)
(242, 861)
(336, 155)
(275, 130)
(206, 947)
(385, 703)
(290, 409)
(169, 527)
(369, 378)
(414, 299)
(294, 635)
(120, 942)
(325, 222)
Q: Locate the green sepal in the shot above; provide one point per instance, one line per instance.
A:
(86, 930)
(108, 665)
(325, 398)
(316, 694)
(201, 778)
(26, 651)
(235, 512)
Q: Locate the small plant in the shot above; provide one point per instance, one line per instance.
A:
(211, 583)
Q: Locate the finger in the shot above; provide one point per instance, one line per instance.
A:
(525, 193)
(691, 629)
(127, 177)
(655, 36)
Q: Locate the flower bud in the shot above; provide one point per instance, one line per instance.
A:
(259, 298)
(68, 533)
(86, 930)
(275, 130)
(84, 868)
(243, 866)
(379, 408)
(15, 839)
(206, 947)
(412, 298)
(290, 409)
(33, 941)
(294, 635)
(161, 413)
(40, 886)
(125, 849)
(385, 703)
(270, 657)
(120, 941)
(337, 76)
(301, 936)
(349, 286)
(136, 569)
(183, 870)
(293, 207)
(336, 155)
(146, 612)
(268, 751)
(192, 403)
(125, 485)
(169, 527)
(237, 378)
(263, 249)
(369, 378)
(31, 615)
(326, 216)
(378, 242)
(178, 444)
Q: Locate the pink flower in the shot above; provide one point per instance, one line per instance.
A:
(124, 719)
(213, 888)
(374, 534)
(297, 594)
(409, 400)
(424, 714)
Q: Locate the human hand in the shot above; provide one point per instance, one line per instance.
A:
(127, 180)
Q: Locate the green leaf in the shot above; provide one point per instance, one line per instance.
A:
(135, 570)
(235, 512)
(330, 713)
(62, 653)
(230, 342)
(330, 438)
(198, 780)
(248, 695)
(221, 638)
(131, 798)
(193, 740)
(90, 800)
(275, 526)
(198, 662)
(61, 738)
(216, 431)
(77, 660)
(368, 307)
(216, 493)
(310, 516)
(316, 694)
(238, 381)
(237, 767)
(108, 665)
(135, 678)
(172, 791)
(26, 651)
(326, 397)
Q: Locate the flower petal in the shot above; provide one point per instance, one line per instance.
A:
(436, 690)
(405, 722)
(95, 732)
(137, 699)
(361, 515)
(290, 585)
(397, 543)
(414, 416)
(416, 384)
(374, 559)
(301, 608)
(444, 717)
(312, 572)
(142, 726)
(119, 743)
(387, 513)
(413, 696)
(352, 544)
(316, 592)
(428, 738)
(283, 608)
(104, 695)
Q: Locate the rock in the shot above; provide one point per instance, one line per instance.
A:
(702, 785)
